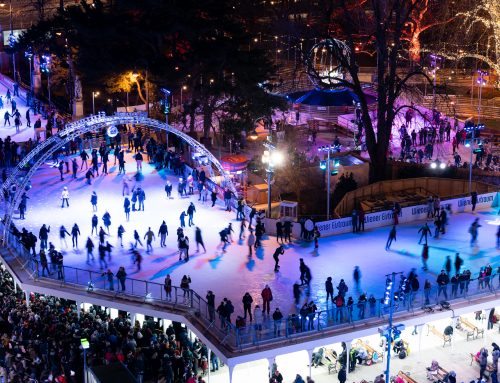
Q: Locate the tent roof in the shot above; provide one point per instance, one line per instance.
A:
(333, 97)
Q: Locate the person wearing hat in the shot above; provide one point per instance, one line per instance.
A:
(65, 197)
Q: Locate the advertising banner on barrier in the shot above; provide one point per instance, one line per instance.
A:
(407, 214)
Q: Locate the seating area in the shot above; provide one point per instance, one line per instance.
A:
(471, 330)
(440, 334)
(374, 356)
(406, 377)
(475, 358)
(403, 198)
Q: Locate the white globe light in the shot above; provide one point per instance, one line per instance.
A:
(442, 165)
(433, 165)
(112, 131)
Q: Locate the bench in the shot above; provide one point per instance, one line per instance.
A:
(406, 377)
(489, 366)
(330, 361)
(439, 334)
(465, 328)
(475, 330)
(441, 373)
(373, 355)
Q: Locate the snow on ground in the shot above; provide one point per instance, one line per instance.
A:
(233, 273)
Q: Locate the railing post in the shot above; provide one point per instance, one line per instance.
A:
(191, 296)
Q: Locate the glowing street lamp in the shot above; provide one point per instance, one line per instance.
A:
(45, 67)
(183, 88)
(94, 95)
(272, 158)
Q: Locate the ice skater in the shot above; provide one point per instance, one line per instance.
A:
(199, 240)
(62, 236)
(498, 237)
(102, 235)
(65, 197)
(182, 219)
(168, 189)
(75, 232)
(84, 156)
(392, 237)
(425, 231)
(126, 207)
(137, 239)
(106, 219)
(121, 230)
(425, 256)
(162, 233)
(356, 276)
(6, 118)
(250, 242)
(190, 211)
(149, 237)
(280, 250)
(473, 231)
(93, 201)
(95, 221)
(125, 187)
(74, 167)
(243, 225)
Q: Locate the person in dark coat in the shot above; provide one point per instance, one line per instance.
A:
(329, 289)
(392, 237)
(247, 305)
(162, 233)
(75, 232)
(276, 256)
(93, 201)
(473, 200)
(43, 234)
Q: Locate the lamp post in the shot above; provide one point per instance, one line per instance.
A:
(94, 95)
(390, 329)
(46, 69)
(328, 149)
(184, 87)
(29, 55)
(481, 82)
(272, 158)
(85, 345)
(435, 68)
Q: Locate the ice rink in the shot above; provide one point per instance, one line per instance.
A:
(25, 132)
(231, 274)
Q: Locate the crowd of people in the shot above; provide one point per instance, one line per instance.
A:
(41, 342)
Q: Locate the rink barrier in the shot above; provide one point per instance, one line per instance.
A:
(268, 331)
(407, 214)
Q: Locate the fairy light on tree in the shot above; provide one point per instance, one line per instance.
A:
(486, 15)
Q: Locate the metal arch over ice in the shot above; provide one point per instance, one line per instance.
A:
(23, 172)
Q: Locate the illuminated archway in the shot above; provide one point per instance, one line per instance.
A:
(27, 167)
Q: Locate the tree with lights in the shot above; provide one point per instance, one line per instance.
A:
(387, 24)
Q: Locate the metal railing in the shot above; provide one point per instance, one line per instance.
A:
(241, 337)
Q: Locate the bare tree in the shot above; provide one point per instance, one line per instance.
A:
(385, 21)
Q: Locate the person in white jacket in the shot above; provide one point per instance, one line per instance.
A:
(65, 197)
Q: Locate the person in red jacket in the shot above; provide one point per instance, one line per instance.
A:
(267, 297)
